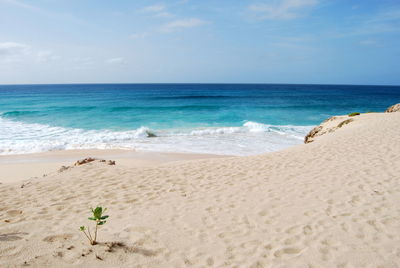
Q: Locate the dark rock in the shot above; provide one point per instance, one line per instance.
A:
(84, 161)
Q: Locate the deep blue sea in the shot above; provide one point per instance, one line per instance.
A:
(236, 119)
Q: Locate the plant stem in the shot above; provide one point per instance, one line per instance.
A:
(91, 239)
(95, 234)
(87, 237)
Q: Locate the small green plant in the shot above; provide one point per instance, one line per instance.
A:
(353, 114)
(99, 220)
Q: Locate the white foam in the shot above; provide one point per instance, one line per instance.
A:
(251, 138)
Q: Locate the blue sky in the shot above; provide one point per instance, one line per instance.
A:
(248, 41)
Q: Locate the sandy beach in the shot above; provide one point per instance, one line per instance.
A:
(333, 202)
(15, 168)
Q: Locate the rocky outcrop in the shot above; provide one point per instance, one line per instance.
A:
(393, 108)
(84, 161)
(335, 122)
(329, 125)
(312, 134)
(90, 159)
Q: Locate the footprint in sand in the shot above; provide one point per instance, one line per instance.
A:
(286, 251)
(11, 236)
(14, 212)
(54, 238)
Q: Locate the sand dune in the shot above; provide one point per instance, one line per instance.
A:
(330, 203)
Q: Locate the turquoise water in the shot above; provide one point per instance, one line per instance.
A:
(234, 119)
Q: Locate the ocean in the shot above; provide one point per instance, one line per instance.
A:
(227, 119)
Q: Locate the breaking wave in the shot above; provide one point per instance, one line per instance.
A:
(250, 138)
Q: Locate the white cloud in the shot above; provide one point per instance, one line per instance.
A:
(154, 8)
(13, 49)
(47, 56)
(20, 4)
(157, 11)
(182, 24)
(281, 9)
(385, 21)
(52, 14)
(118, 60)
(388, 15)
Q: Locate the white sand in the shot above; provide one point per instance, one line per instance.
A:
(14, 168)
(332, 203)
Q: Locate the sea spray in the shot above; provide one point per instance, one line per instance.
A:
(19, 138)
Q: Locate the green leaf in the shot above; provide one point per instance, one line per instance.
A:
(92, 219)
(104, 217)
(97, 212)
(101, 222)
(82, 228)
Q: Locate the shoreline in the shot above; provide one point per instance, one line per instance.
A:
(16, 168)
(235, 139)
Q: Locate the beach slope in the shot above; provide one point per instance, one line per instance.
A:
(333, 202)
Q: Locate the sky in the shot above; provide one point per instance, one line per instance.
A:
(203, 41)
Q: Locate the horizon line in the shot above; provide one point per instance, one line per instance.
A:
(195, 83)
